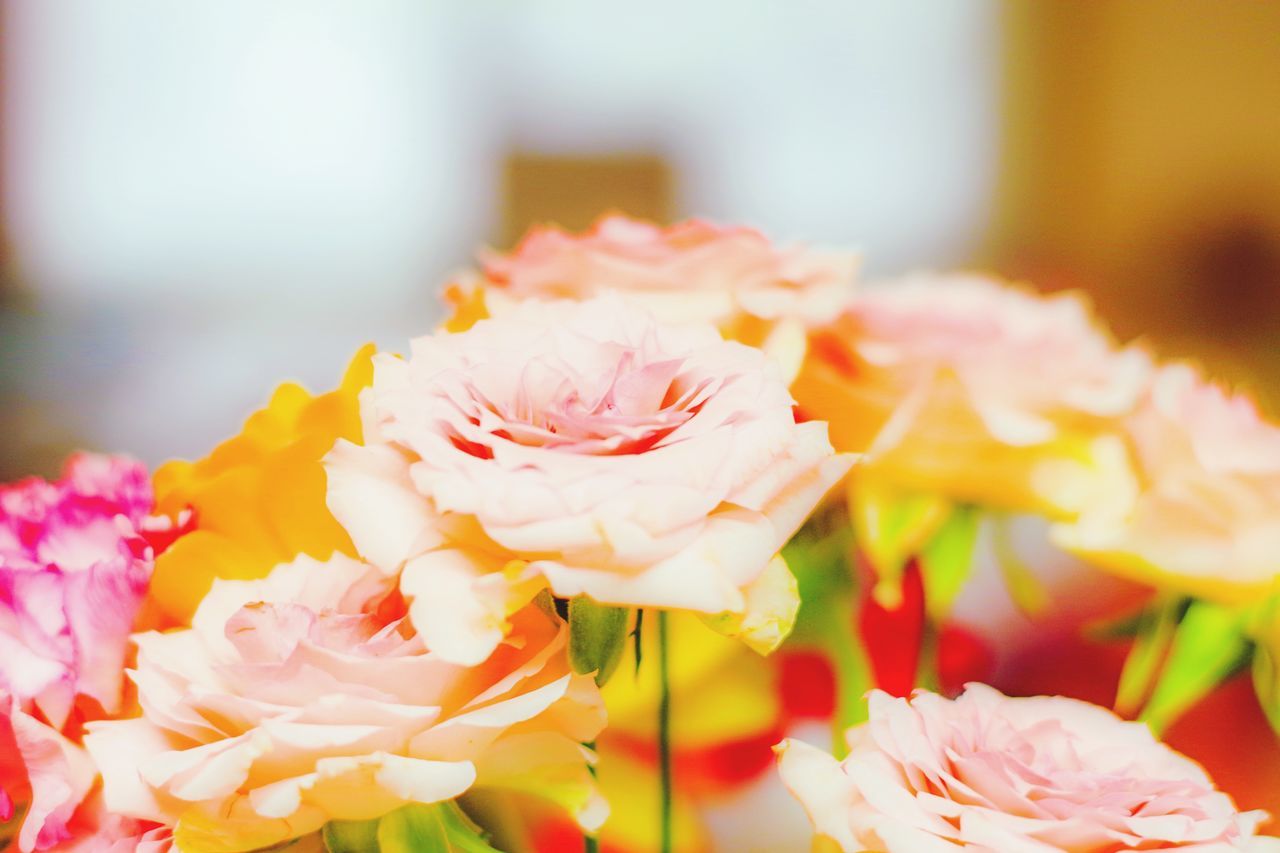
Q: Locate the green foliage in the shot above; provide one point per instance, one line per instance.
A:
(436, 828)
(420, 828)
(1208, 646)
(1153, 635)
(947, 558)
(891, 528)
(351, 836)
(597, 637)
(819, 558)
(1024, 587)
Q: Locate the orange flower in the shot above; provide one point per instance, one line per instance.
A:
(258, 499)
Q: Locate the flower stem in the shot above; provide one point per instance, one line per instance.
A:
(591, 841)
(664, 734)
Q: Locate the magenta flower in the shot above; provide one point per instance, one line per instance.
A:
(74, 568)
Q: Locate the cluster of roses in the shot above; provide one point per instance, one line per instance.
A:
(381, 617)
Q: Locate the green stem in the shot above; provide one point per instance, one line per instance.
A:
(664, 733)
(590, 841)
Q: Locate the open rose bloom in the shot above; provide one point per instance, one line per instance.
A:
(990, 773)
(309, 696)
(585, 447)
(967, 388)
(693, 271)
(1206, 519)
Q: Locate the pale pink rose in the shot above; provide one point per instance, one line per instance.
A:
(986, 772)
(581, 445)
(969, 388)
(45, 772)
(74, 567)
(308, 696)
(693, 271)
(1206, 520)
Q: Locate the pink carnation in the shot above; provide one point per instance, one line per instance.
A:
(45, 772)
(581, 445)
(986, 772)
(73, 570)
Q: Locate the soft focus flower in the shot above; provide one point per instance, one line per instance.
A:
(585, 446)
(258, 499)
(965, 388)
(694, 271)
(42, 770)
(308, 696)
(991, 773)
(73, 569)
(1206, 519)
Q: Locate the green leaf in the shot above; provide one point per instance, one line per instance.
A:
(1024, 587)
(436, 828)
(1152, 639)
(597, 636)
(1208, 646)
(892, 527)
(945, 562)
(637, 637)
(351, 836)
(772, 601)
(1266, 683)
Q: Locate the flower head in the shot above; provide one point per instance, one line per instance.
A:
(694, 271)
(308, 696)
(1206, 518)
(584, 446)
(969, 389)
(74, 567)
(989, 772)
(258, 499)
(44, 771)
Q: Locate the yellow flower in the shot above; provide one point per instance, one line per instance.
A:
(258, 499)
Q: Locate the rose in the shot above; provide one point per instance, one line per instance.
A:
(585, 446)
(694, 271)
(258, 499)
(986, 772)
(1206, 521)
(74, 566)
(961, 387)
(308, 696)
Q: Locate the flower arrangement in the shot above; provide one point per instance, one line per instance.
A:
(657, 521)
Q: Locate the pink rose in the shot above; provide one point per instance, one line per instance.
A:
(308, 696)
(42, 770)
(73, 569)
(986, 772)
(583, 446)
(1206, 520)
(967, 388)
(694, 271)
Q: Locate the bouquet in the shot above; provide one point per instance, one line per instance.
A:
(662, 541)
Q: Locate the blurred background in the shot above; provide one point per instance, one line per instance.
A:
(200, 199)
